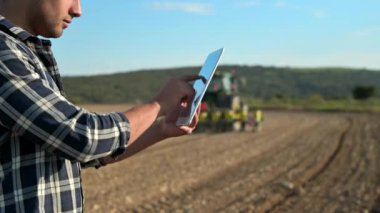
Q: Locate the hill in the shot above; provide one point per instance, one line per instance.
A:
(259, 82)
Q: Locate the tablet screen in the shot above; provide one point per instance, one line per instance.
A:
(200, 86)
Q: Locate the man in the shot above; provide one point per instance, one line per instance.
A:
(45, 139)
(259, 119)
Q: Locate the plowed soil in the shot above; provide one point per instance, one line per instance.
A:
(299, 162)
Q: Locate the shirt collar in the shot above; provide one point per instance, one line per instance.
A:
(20, 33)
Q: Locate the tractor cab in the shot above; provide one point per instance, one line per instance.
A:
(221, 107)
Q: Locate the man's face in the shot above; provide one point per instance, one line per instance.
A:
(50, 17)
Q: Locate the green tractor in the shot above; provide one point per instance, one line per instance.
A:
(222, 109)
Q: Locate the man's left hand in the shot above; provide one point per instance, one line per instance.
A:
(170, 129)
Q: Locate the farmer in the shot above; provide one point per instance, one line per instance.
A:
(259, 119)
(44, 139)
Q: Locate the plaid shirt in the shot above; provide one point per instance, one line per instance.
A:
(44, 138)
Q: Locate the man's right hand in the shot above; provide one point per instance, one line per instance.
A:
(176, 92)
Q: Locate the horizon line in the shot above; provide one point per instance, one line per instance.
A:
(223, 65)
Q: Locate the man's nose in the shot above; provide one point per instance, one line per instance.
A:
(75, 10)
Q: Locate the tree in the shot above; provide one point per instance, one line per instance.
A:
(363, 92)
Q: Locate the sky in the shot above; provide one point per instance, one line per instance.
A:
(129, 35)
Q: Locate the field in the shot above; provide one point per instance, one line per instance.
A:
(300, 162)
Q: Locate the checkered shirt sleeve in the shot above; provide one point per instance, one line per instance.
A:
(44, 138)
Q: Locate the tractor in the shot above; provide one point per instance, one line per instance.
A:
(222, 109)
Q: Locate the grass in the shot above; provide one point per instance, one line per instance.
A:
(318, 104)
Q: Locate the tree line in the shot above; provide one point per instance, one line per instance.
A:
(254, 82)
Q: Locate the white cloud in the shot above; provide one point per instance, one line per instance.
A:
(320, 14)
(197, 8)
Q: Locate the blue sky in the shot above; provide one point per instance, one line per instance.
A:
(126, 35)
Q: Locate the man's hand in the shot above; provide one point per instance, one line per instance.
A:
(161, 130)
(145, 131)
(177, 91)
(170, 129)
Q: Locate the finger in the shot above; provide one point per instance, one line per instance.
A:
(188, 98)
(195, 121)
(199, 110)
(190, 77)
(187, 91)
(186, 129)
(184, 102)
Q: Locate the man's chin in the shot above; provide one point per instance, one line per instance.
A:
(53, 34)
(57, 34)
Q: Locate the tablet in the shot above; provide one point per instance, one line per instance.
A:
(200, 87)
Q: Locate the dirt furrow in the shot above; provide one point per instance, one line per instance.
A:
(290, 183)
(160, 162)
(341, 187)
(242, 180)
(300, 162)
(356, 188)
